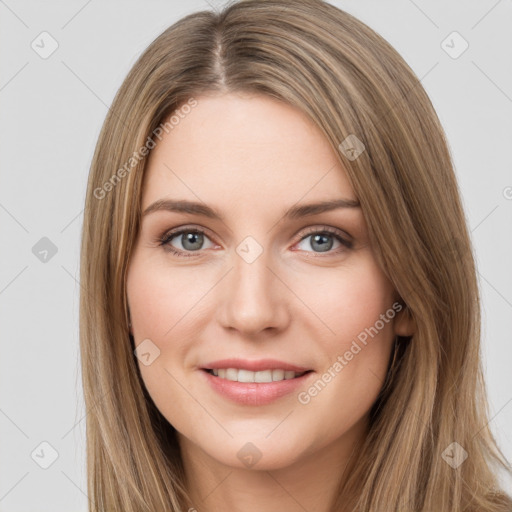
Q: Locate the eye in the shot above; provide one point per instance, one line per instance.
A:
(322, 240)
(190, 239)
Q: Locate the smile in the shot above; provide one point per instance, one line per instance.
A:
(240, 375)
(256, 391)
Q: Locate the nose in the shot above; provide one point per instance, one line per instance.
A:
(254, 298)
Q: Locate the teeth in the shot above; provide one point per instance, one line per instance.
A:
(231, 374)
(237, 375)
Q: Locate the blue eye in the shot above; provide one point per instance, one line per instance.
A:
(323, 241)
(193, 239)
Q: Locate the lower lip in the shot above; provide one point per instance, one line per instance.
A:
(255, 393)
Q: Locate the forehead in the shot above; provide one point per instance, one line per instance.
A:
(244, 149)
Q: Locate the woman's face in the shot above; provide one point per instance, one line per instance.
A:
(269, 278)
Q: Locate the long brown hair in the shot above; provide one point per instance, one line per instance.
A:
(350, 82)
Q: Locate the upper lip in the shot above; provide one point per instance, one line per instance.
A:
(254, 366)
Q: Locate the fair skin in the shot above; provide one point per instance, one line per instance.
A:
(251, 158)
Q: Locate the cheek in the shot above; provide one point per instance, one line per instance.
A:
(356, 308)
(159, 311)
(349, 300)
(158, 299)
(356, 336)
(165, 307)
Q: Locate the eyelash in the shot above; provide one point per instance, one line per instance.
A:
(168, 236)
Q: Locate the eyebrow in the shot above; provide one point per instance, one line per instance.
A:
(295, 212)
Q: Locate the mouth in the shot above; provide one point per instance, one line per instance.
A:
(255, 388)
(248, 376)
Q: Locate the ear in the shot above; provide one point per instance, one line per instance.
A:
(404, 323)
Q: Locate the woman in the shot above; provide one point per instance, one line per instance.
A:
(280, 307)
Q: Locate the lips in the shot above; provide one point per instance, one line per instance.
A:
(255, 393)
(255, 365)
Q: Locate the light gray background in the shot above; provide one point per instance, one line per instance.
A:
(51, 113)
